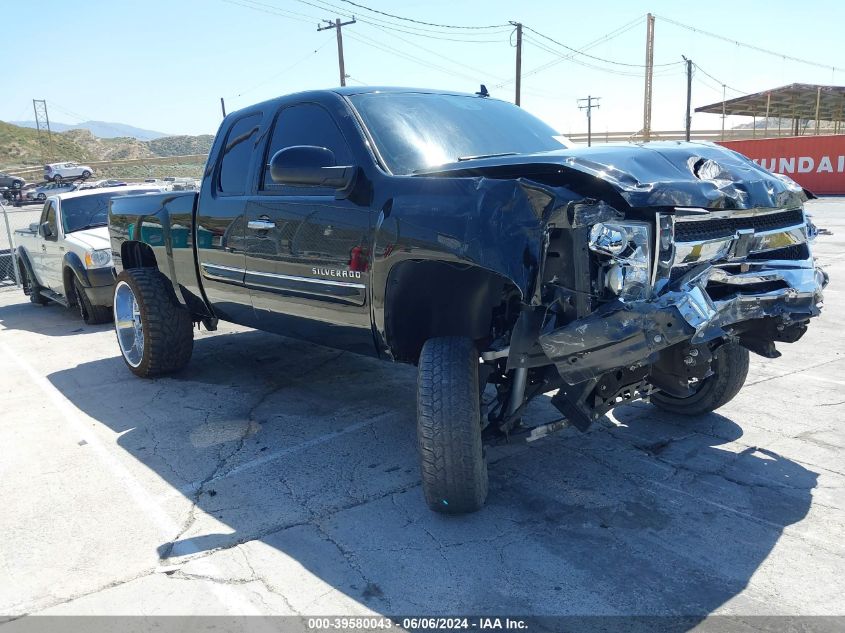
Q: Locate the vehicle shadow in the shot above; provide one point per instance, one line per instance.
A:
(312, 452)
(50, 320)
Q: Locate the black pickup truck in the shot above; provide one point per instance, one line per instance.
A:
(460, 233)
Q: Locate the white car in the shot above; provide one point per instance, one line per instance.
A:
(61, 171)
(66, 256)
(39, 194)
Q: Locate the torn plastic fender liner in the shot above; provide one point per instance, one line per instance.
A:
(496, 224)
(617, 335)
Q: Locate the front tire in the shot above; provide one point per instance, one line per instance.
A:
(454, 471)
(57, 178)
(91, 314)
(155, 334)
(86, 174)
(730, 369)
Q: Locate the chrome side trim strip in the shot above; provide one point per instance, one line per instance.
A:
(309, 280)
(213, 270)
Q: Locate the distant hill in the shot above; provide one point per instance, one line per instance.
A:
(181, 145)
(19, 147)
(100, 129)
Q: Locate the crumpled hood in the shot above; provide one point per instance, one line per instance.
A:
(92, 239)
(663, 174)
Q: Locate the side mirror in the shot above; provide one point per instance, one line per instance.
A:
(33, 227)
(310, 166)
(46, 231)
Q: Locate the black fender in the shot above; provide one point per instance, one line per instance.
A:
(23, 258)
(71, 262)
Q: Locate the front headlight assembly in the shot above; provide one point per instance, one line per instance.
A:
(98, 259)
(627, 249)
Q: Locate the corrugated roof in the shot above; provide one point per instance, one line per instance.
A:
(787, 102)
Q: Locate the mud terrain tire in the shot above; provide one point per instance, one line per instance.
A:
(167, 328)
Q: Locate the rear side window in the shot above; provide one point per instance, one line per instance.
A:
(237, 154)
(305, 124)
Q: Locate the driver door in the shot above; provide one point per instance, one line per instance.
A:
(306, 251)
(49, 270)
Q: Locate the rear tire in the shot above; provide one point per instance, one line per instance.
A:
(30, 287)
(17, 184)
(91, 314)
(57, 178)
(730, 369)
(454, 470)
(86, 174)
(154, 332)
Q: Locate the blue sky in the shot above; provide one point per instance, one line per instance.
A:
(164, 65)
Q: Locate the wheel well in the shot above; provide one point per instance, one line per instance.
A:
(432, 298)
(134, 254)
(68, 277)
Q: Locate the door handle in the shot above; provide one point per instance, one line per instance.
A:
(261, 225)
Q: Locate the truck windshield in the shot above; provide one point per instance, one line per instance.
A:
(87, 212)
(418, 131)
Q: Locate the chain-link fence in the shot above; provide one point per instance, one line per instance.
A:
(13, 218)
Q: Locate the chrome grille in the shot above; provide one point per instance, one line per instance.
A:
(687, 230)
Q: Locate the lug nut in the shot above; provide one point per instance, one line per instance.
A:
(658, 338)
(689, 360)
(693, 352)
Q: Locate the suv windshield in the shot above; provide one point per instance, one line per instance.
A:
(86, 212)
(417, 131)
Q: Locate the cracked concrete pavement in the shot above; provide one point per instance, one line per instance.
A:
(277, 477)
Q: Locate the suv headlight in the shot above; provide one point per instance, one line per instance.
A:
(98, 259)
(627, 245)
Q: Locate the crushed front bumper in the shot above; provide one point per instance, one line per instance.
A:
(706, 303)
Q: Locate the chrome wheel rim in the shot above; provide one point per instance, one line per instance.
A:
(127, 324)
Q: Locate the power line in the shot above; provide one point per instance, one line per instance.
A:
(387, 49)
(721, 83)
(286, 69)
(479, 71)
(613, 71)
(601, 59)
(604, 38)
(759, 49)
(411, 30)
(273, 10)
(442, 26)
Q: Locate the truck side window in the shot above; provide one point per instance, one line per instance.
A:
(305, 124)
(237, 154)
(49, 216)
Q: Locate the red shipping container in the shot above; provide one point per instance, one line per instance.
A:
(816, 163)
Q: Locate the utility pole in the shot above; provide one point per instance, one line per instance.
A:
(223, 107)
(649, 70)
(42, 124)
(338, 25)
(688, 120)
(518, 26)
(724, 97)
(589, 108)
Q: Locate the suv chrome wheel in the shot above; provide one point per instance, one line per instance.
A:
(127, 324)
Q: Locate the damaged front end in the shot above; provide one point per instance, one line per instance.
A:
(665, 294)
